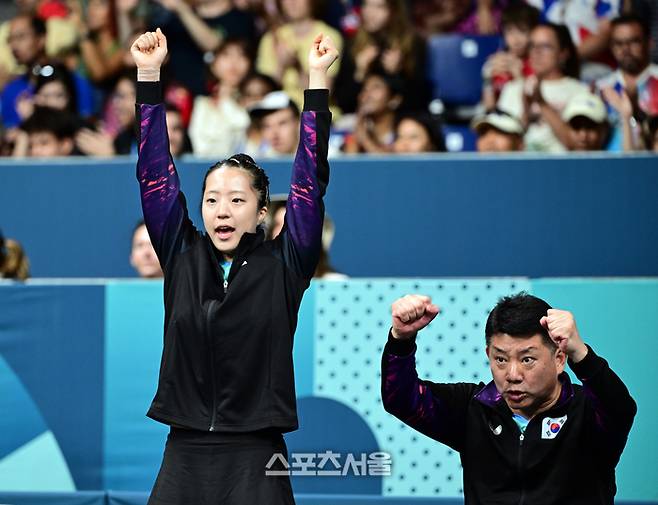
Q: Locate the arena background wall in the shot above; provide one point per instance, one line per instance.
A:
(79, 363)
(454, 215)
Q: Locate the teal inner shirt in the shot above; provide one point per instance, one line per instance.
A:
(520, 421)
(226, 267)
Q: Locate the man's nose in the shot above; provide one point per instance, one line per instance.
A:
(514, 373)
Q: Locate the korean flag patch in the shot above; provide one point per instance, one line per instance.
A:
(551, 426)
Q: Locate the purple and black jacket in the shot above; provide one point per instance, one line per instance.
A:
(567, 454)
(227, 356)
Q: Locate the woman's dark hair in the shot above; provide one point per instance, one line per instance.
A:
(520, 15)
(571, 66)
(518, 316)
(260, 182)
(60, 74)
(430, 124)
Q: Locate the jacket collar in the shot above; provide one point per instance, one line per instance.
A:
(490, 396)
(248, 243)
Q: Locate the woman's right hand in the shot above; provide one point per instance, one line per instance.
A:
(149, 50)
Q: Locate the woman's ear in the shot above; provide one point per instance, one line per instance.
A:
(262, 214)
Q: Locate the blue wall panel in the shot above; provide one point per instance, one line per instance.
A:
(427, 216)
(52, 338)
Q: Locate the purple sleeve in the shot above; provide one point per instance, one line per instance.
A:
(302, 237)
(436, 410)
(163, 204)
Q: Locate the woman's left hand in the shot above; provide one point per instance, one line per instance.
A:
(322, 54)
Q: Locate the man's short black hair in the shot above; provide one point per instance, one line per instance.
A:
(518, 316)
(60, 123)
(631, 19)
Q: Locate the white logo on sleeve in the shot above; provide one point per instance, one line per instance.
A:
(551, 426)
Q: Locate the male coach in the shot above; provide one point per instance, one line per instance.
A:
(529, 436)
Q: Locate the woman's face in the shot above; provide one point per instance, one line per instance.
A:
(411, 137)
(375, 15)
(98, 14)
(230, 208)
(375, 96)
(123, 101)
(52, 94)
(254, 91)
(231, 66)
(296, 10)
(545, 53)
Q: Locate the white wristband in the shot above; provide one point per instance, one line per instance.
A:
(148, 74)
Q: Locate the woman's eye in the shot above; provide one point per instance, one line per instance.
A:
(238, 200)
(210, 200)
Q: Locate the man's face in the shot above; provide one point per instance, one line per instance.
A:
(493, 140)
(525, 371)
(46, 144)
(587, 135)
(142, 255)
(26, 46)
(280, 130)
(629, 48)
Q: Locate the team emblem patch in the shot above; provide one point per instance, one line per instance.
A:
(551, 426)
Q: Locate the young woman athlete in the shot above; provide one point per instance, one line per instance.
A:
(226, 383)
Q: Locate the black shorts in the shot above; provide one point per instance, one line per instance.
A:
(212, 468)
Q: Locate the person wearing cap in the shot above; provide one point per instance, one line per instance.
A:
(498, 132)
(587, 118)
(278, 119)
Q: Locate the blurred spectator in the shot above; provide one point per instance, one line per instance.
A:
(387, 38)
(589, 26)
(418, 133)
(498, 132)
(469, 17)
(512, 63)
(198, 27)
(379, 100)
(276, 211)
(142, 255)
(60, 33)
(27, 37)
(55, 89)
(587, 118)
(179, 141)
(101, 49)
(630, 46)
(219, 123)
(539, 100)
(278, 117)
(252, 90)
(283, 51)
(116, 132)
(13, 261)
(46, 133)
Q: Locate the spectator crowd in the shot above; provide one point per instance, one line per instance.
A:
(568, 75)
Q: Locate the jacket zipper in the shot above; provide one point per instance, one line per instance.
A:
(213, 416)
(519, 462)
